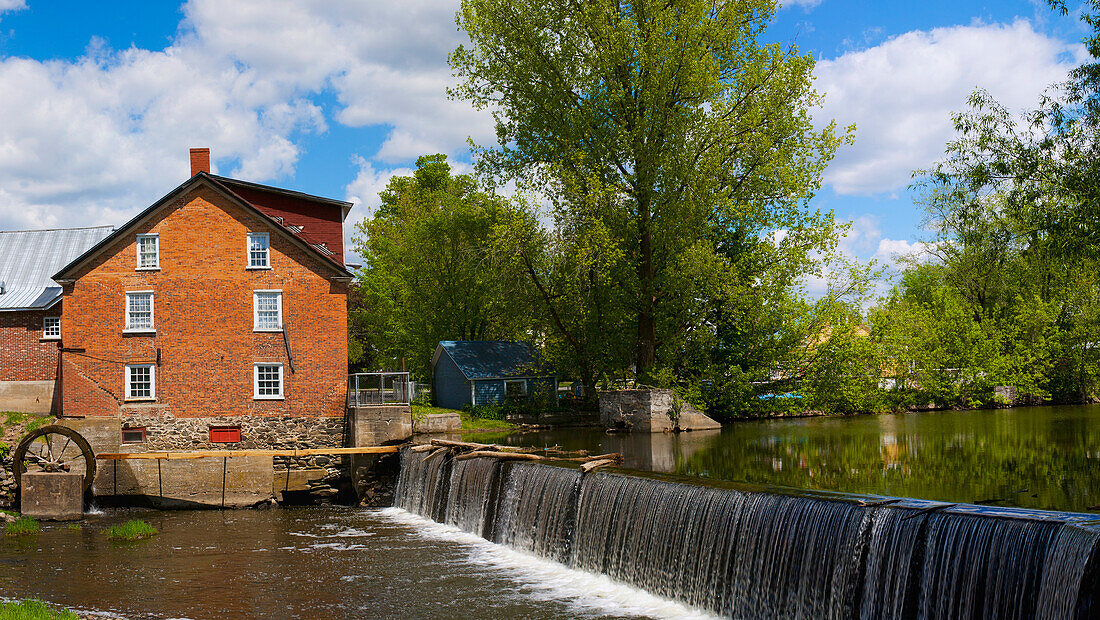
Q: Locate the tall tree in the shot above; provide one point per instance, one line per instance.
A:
(430, 272)
(668, 117)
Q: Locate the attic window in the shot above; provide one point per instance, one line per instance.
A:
(148, 251)
(259, 251)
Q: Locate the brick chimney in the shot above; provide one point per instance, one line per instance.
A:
(200, 161)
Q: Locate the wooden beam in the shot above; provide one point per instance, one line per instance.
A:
(202, 454)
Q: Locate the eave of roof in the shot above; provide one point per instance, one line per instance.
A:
(345, 206)
(210, 181)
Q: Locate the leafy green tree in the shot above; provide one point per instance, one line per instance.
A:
(430, 271)
(656, 130)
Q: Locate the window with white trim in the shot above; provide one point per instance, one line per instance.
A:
(267, 311)
(268, 381)
(51, 327)
(514, 388)
(259, 251)
(139, 311)
(148, 251)
(141, 382)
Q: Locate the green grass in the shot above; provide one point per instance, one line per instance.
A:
(33, 610)
(134, 529)
(23, 526)
(470, 423)
(27, 421)
(74, 527)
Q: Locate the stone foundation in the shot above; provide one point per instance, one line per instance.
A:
(249, 480)
(651, 411)
(7, 482)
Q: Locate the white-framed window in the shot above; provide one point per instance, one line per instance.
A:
(267, 381)
(51, 327)
(139, 311)
(267, 311)
(259, 251)
(148, 251)
(515, 387)
(141, 382)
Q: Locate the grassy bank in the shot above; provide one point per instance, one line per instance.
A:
(469, 421)
(33, 610)
(14, 425)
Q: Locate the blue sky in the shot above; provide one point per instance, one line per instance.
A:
(335, 96)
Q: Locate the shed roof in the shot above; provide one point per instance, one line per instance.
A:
(29, 257)
(493, 359)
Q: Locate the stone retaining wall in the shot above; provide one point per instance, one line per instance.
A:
(7, 483)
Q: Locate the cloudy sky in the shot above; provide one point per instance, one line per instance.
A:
(99, 102)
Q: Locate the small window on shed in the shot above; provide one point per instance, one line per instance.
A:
(51, 327)
(514, 388)
(225, 434)
(134, 434)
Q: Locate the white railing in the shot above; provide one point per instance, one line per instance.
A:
(379, 388)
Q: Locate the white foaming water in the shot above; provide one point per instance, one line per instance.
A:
(550, 580)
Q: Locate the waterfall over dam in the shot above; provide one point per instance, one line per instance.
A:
(749, 551)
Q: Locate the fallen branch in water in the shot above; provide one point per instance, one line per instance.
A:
(590, 465)
(504, 456)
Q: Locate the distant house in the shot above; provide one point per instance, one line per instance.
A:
(487, 372)
(30, 312)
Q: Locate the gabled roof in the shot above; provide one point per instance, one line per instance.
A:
(29, 257)
(345, 206)
(207, 180)
(492, 359)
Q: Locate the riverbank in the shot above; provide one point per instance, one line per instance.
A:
(33, 609)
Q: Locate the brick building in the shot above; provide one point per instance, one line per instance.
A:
(217, 317)
(30, 312)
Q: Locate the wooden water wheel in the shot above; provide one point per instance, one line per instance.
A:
(54, 449)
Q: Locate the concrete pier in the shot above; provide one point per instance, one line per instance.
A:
(52, 496)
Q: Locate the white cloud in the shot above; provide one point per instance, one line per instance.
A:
(6, 6)
(901, 94)
(95, 139)
(806, 4)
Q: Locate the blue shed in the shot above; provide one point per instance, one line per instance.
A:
(487, 372)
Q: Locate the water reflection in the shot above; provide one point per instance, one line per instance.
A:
(1037, 457)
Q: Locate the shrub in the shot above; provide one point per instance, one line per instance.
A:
(23, 526)
(33, 610)
(134, 529)
(5, 450)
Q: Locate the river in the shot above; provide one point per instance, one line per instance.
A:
(1033, 457)
(352, 563)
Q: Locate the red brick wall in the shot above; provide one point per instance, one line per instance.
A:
(323, 223)
(24, 355)
(203, 320)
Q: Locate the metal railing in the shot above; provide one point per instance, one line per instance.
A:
(379, 388)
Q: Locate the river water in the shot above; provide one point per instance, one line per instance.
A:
(1035, 457)
(303, 563)
(353, 563)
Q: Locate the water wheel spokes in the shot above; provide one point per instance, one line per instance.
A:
(54, 449)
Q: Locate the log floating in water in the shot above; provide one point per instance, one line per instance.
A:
(506, 456)
(424, 447)
(590, 465)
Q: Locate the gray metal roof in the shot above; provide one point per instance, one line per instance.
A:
(29, 257)
(493, 359)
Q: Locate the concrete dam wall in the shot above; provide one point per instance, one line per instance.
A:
(747, 551)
